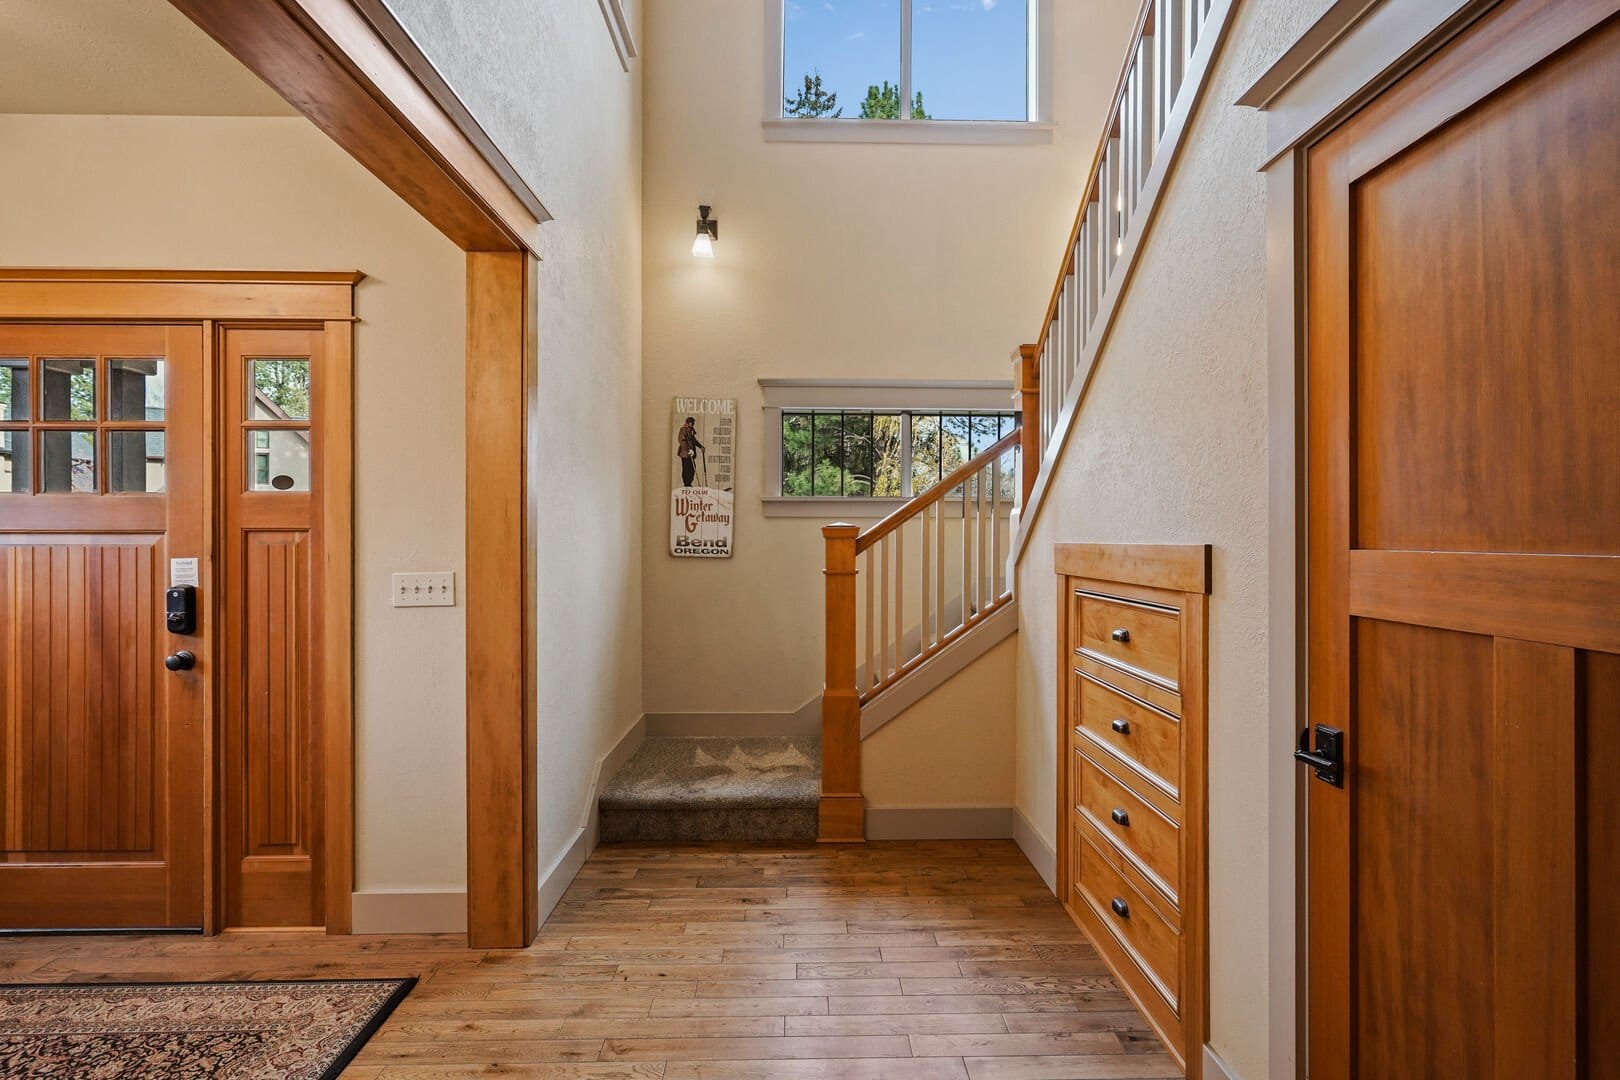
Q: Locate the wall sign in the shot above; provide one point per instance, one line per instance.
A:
(702, 450)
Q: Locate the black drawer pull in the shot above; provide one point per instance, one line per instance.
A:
(1120, 817)
(1121, 725)
(1121, 635)
(1121, 908)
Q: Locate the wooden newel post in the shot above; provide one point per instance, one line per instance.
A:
(1027, 359)
(843, 810)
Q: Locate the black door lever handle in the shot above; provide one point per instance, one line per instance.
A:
(1327, 760)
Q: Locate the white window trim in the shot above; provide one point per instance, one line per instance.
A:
(1037, 129)
(786, 395)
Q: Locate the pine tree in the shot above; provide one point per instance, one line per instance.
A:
(883, 103)
(812, 100)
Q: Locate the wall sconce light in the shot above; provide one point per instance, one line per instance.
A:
(708, 231)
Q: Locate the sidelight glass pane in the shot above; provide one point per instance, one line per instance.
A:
(67, 390)
(280, 389)
(68, 461)
(135, 389)
(283, 464)
(15, 476)
(135, 461)
(14, 388)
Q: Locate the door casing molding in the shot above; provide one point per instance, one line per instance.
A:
(354, 71)
(213, 301)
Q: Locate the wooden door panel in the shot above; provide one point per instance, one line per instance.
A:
(86, 769)
(1598, 695)
(1422, 949)
(276, 679)
(1463, 219)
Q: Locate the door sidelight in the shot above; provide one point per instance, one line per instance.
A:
(1328, 757)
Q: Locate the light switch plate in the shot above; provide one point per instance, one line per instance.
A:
(425, 590)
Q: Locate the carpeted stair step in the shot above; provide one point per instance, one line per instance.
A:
(715, 788)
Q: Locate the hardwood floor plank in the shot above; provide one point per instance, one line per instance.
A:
(785, 1047)
(1074, 1067)
(1046, 1043)
(845, 1069)
(899, 1024)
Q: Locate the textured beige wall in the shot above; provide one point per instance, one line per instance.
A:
(274, 193)
(835, 260)
(544, 81)
(1171, 448)
(952, 748)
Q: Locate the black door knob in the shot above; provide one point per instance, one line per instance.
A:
(184, 660)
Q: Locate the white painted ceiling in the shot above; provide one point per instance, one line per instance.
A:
(112, 57)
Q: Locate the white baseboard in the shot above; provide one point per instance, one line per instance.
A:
(938, 822)
(407, 911)
(555, 879)
(805, 720)
(1040, 854)
(1215, 1068)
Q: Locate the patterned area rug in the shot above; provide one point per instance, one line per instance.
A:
(181, 1031)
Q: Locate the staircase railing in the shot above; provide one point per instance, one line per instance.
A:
(1166, 68)
(941, 557)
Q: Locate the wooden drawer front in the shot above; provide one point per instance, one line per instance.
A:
(1139, 733)
(1153, 943)
(1139, 830)
(1141, 637)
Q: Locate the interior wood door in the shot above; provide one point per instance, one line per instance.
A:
(1464, 561)
(101, 747)
(271, 732)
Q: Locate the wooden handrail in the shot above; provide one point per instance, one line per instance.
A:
(917, 503)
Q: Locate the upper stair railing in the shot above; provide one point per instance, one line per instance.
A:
(898, 594)
(1166, 68)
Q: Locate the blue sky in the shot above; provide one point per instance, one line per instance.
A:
(968, 57)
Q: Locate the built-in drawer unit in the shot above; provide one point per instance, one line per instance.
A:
(1131, 780)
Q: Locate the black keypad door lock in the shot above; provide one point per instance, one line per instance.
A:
(1327, 760)
(180, 607)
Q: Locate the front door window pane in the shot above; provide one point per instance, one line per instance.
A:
(68, 389)
(69, 461)
(283, 462)
(280, 390)
(135, 389)
(15, 476)
(13, 388)
(135, 461)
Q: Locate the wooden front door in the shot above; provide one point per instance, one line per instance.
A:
(101, 746)
(1464, 561)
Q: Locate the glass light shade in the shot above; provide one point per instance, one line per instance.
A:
(702, 246)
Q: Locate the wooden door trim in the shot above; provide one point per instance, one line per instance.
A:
(185, 297)
(352, 69)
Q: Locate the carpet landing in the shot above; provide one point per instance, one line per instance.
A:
(191, 1031)
(715, 788)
